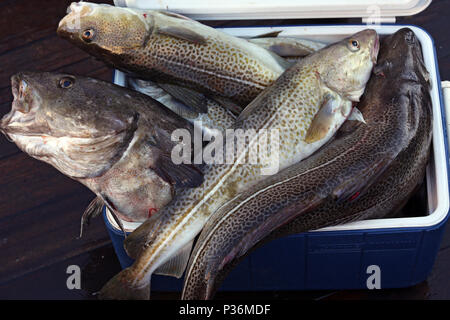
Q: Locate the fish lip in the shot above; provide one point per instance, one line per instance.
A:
(5, 120)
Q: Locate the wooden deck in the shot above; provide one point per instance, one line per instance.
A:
(40, 209)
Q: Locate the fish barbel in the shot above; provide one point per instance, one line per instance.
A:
(367, 172)
(304, 106)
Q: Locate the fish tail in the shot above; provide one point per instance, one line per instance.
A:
(121, 287)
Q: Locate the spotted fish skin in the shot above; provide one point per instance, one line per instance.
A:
(169, 47)
(376, 167)
(288, 106)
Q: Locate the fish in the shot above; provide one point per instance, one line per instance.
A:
(304, 106)
(210, 118)
(115, 141)
(368, 171)
(171, 48)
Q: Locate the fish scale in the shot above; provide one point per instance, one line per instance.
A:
(290, 106)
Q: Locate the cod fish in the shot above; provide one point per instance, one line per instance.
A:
(171, 48)
(115, 141)
(367, 172)
(305, 106)
(212, 117)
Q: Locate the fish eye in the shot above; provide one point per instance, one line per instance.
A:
(88, 35)
(353, 45)
(66, 82)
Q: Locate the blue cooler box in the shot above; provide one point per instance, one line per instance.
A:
(403, 250)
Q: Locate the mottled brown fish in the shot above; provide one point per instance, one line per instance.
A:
(368, 172)
(305, 106)
(114, 140)
(169, 47)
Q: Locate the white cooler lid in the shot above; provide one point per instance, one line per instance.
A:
(282, 9)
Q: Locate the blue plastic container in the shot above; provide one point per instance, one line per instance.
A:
(338, 257)
(323, 260)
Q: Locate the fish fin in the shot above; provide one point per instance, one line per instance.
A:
(175, 15)
(181, 175)
(120, 287)
(93, 210)
(176, 265)
(353, 189)
(321, 123)
(190, 97)
(182, 33)
(271, 34)
(283, 49)
(356, 115)
(112, 209)
(228, 104)
(288, 50)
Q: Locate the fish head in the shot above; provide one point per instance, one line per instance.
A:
(103, 30)
(67, 121)
(346, 66)
(404, 48)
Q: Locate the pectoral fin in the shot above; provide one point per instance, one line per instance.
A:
(181, 175)
(196, 100)
(93, 210)
(322, 121)
(176, 265)
(183, 34)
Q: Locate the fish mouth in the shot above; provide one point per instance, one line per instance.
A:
(21, 118)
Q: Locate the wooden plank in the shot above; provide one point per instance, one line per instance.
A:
(28, 183)
(47, 234)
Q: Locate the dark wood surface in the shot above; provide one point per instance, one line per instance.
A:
(40, 209)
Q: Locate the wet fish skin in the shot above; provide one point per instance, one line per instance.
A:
(288, 105)
(111, 139)
(165, 46)
(394, 146)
